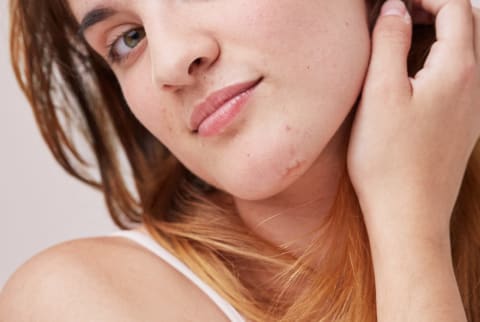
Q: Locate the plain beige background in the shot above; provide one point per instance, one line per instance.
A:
(40, 205)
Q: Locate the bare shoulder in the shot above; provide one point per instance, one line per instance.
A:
(102, 279)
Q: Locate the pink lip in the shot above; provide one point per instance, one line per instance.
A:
(215, 100)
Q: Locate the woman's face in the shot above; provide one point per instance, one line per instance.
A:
(310, 55)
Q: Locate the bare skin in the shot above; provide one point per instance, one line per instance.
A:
(407, 193)
(399, 294)
(90, 279)
(286, 136)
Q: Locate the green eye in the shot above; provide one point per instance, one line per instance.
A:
(125, 44)
(133, 37)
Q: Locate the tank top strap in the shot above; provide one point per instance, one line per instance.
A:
(150, 244)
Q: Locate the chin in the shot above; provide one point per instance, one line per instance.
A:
(264, 182)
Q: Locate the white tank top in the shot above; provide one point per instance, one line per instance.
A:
(149, 243)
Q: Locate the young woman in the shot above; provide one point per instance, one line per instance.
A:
(286, 160)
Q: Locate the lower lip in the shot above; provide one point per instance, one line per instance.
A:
(221, 118)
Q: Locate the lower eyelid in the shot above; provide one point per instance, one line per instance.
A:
(134, 53)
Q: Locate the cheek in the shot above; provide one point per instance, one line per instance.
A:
(166, 123)
(312, 50)
(148, 109)
(311, 98)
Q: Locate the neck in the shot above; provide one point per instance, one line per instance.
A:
(290, 218)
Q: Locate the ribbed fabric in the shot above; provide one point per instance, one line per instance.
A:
(149, 243)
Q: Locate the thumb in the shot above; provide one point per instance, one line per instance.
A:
(391, 41)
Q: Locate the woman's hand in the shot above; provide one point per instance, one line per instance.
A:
(409, 147)
(412, 137)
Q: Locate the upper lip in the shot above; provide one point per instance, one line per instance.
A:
(216, 99)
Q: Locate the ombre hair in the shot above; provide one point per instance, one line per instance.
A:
(86, 123)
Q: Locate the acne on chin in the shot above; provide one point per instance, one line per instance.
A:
(291, 167)
(294, 162)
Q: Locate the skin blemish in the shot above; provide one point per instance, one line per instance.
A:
(287, 128)
(294, 163)
(292, 166)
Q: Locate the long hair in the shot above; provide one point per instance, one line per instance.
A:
(86, 123)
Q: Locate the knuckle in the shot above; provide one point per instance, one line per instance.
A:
(391, 29)
(468, 71)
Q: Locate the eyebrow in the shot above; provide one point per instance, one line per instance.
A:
(93, 17)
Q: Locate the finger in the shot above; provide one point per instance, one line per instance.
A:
(452, 55)
(391, 41)
(454, 24)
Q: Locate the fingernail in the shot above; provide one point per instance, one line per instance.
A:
(395, 8)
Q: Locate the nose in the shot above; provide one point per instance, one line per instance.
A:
(179, 55)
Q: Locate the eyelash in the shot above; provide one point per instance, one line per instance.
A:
(113, 56)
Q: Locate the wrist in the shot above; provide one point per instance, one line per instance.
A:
(408, 245)
(393, 230)
(399, 255)
(416, 280)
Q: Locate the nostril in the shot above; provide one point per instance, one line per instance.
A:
(196, 62)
